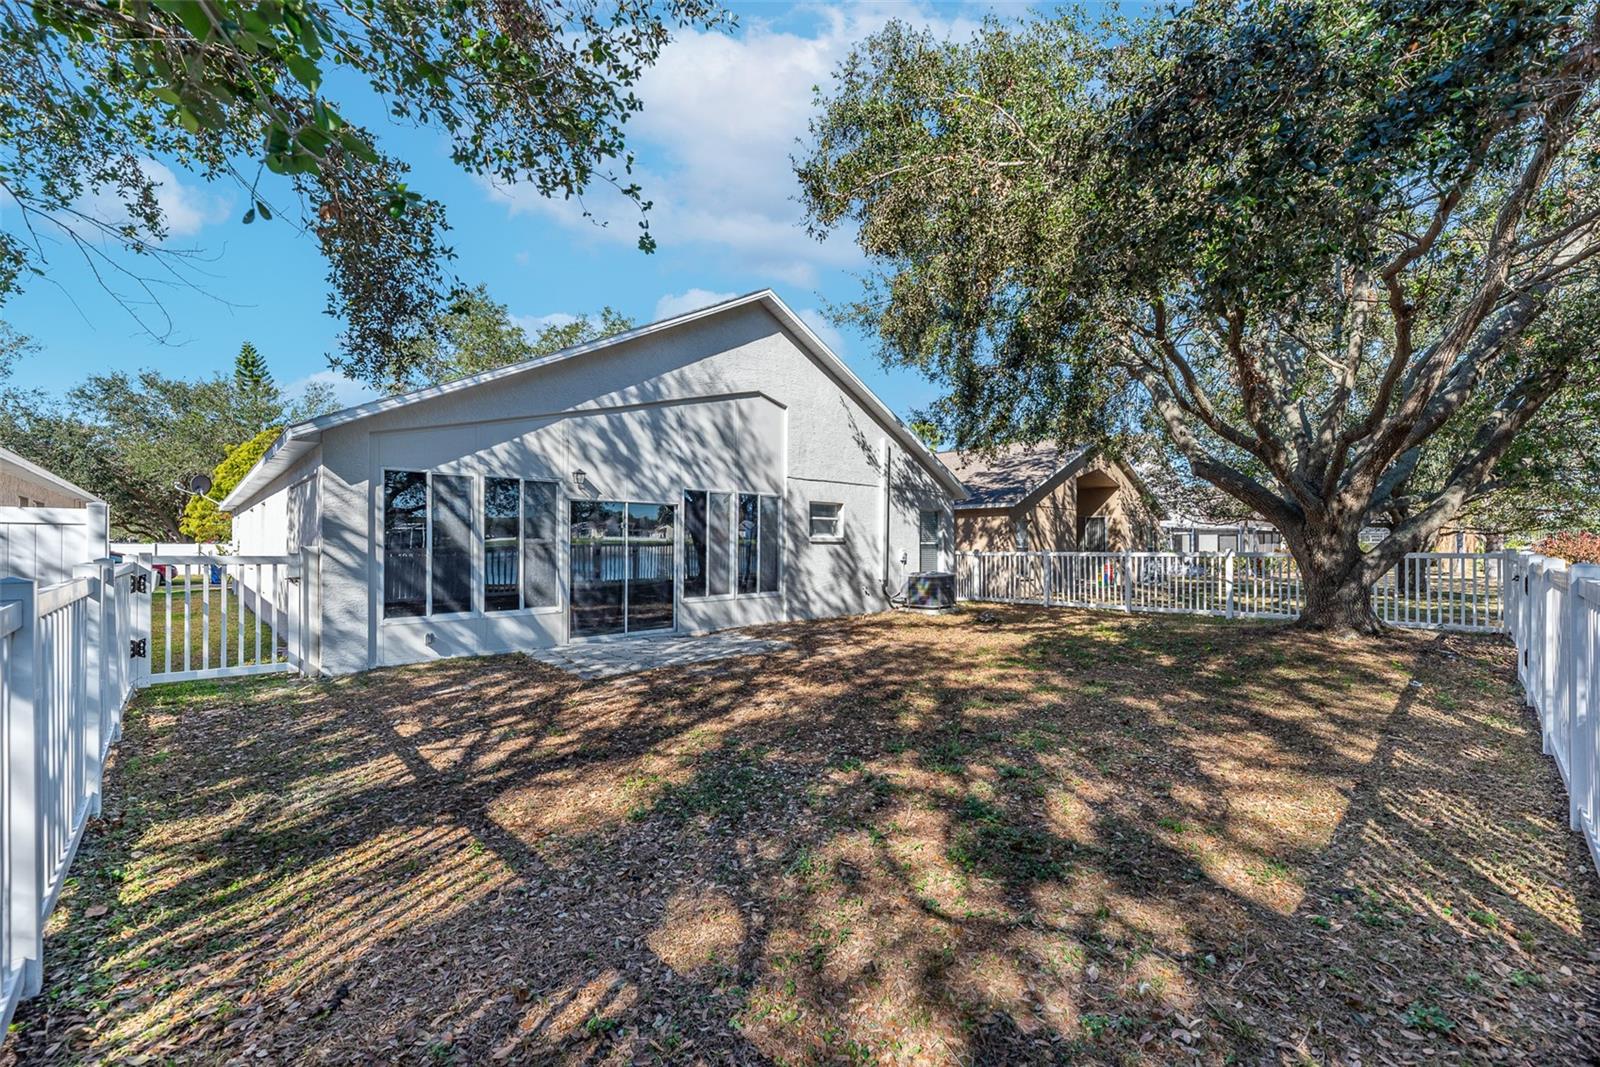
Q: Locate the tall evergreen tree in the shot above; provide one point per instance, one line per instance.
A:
(250, 371)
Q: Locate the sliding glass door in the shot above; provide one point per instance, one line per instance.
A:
(622, 567)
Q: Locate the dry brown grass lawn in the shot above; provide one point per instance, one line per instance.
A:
(1062, 837)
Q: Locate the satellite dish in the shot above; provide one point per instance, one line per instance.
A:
(200, 484)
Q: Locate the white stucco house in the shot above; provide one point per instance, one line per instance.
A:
(720, 468)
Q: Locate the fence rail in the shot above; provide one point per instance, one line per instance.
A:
(1553, 611)
(1431, 590)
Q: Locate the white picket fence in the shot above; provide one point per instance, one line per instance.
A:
(64, 679)
(1553, 612)
(71, 654)
(1432, 590)
(214, 616)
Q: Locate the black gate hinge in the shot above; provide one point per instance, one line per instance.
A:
(136, 648)
(140, 583)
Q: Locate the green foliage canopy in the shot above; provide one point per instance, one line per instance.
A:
(245, 91)
(476, 333)
(133, 439)
(1342, 253)
(202, 520)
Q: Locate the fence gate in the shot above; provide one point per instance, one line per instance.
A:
(202, 616)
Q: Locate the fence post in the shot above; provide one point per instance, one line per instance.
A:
(97, 532)
(1580, 712)
(1229, 581)
(1049, 572)
(139, 613)
(1127, 580)
(93, 655)
(24, 811)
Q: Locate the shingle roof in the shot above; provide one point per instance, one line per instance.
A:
(1003, 479)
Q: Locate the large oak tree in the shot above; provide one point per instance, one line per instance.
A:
(1342, 252)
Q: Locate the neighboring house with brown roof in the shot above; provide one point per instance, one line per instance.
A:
(1041, 498)
(27, 485)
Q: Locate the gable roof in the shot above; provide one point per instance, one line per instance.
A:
(1006, 478)
(1021, 474)
(299, 439)
(10, 461)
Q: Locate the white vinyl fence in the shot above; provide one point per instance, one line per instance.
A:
(64, 680)
(71, 653)
(48, 544)
(213, 616)
(1432, 590)
(1554, 615)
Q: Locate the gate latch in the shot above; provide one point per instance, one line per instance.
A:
(140, 583)
(136, 648)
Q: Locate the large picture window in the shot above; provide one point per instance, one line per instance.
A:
(430, 544)
(405, 544)
(759, 537)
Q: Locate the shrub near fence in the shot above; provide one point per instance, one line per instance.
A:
(64, 679)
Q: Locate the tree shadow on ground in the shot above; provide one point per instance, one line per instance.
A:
(1061, 836)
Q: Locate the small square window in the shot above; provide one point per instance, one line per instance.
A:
(827, 522)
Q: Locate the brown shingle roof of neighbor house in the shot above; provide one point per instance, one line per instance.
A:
(1003, 479)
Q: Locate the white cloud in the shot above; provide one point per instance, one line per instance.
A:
(186, 209)
(347, 392)
(722, 115)
(688, 300)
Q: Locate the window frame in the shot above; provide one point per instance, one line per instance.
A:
(835, 538)
(938, 538)
(522, 607)
(479, 549)
(777, 589)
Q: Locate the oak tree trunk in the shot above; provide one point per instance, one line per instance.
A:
(1332, 573)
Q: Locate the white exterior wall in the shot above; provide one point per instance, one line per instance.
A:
(730, 402)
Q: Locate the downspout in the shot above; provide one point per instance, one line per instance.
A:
(883, 519)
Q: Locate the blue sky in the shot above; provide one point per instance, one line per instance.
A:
(722, 115)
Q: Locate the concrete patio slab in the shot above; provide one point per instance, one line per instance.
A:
(607, 659)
